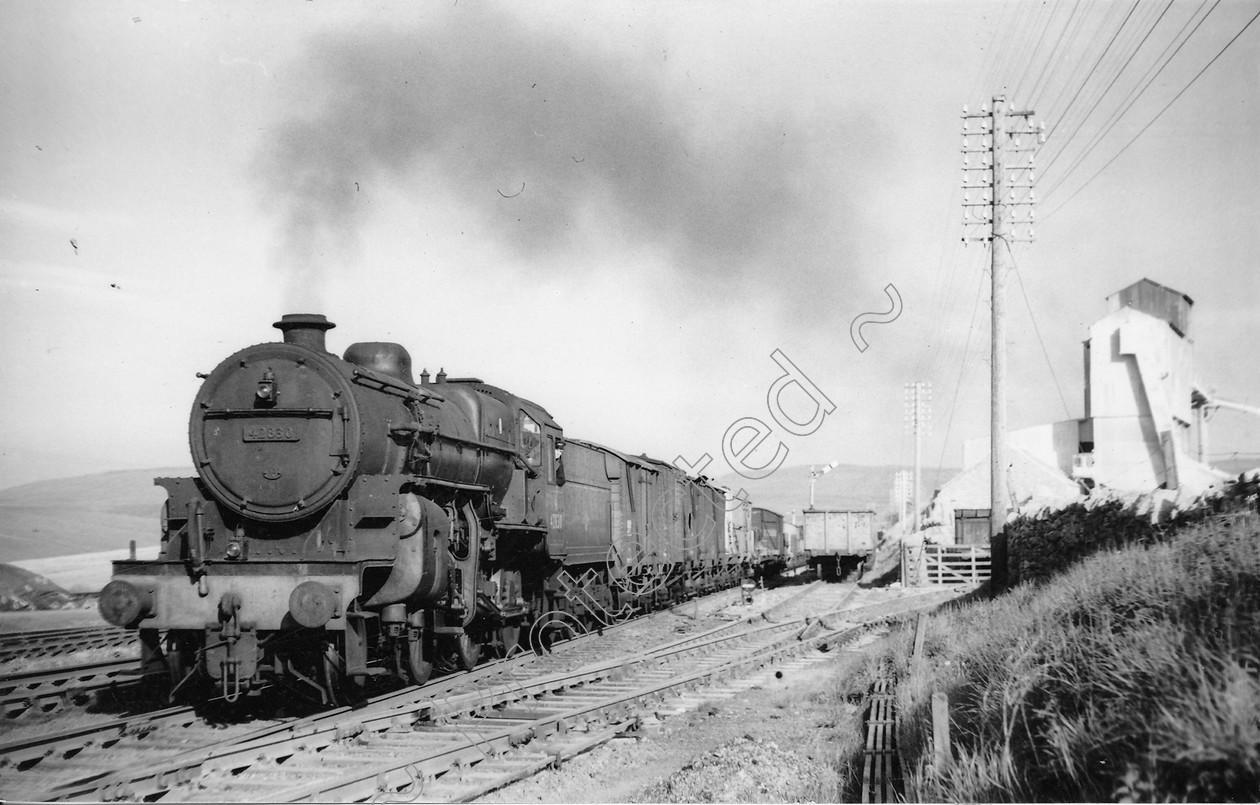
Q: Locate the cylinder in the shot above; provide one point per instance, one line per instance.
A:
(421, 561)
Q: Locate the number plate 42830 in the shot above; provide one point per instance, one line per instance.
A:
(271, 433)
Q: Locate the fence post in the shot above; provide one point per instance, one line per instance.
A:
(920, 632)
(940, 730)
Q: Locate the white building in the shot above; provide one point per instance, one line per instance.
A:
(1138, 431)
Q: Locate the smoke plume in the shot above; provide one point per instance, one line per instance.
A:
(538, 133)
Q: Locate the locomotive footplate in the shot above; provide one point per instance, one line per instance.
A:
(274, 595)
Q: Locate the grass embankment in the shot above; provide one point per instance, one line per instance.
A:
(1133, 675)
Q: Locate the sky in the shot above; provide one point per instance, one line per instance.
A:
(618, 210)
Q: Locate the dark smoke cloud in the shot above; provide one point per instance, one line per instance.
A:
(477, 106)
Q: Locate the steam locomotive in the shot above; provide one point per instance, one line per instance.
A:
(347, 523)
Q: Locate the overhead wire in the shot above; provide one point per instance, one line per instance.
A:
(1048, 165)
(1019, 33)
(953, 345)
(1159, 114)
(941, 285)
(962, 369)
(1033, 318)
(1088, 93)
(1028, 35)
(1067, 110)
(1051, 61)
(1012, 30)
(1157, 66)
(1162, 61)
(1009, 46)
(1079, 73)
(1032, 53)
(944, 287)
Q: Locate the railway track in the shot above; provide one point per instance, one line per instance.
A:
(465, 748)
(172, 743)
(451, 739)
(62, 642)
(46, 691)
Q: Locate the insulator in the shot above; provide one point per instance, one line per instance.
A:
(1031, 233)
(1032, 195)
(1041, 138)
(1017, 142)
(964, 108)
(966, 197)
(1032, 159)
(984, 109)
(966, 212)
(1032, 178)
(1032, 214)
(965, 126)
(966, 161)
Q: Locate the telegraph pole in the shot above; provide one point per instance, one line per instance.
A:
(999, 181)
(918, 395)
(999, 253)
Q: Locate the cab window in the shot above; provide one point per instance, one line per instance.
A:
(531, 441)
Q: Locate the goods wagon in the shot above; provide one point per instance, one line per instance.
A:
(836, 541)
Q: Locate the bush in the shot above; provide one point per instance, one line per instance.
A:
(1038, 549)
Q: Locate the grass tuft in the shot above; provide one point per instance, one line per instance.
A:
(1134, 675)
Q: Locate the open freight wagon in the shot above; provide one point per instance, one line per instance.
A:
(837, 541)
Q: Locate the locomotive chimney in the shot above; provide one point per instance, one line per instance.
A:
(304, 330)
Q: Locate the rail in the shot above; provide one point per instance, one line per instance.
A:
(60, 642)
(45, 691)
(455, 736)
(445, 697)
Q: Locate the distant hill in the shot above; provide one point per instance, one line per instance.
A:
(848, 486)
(95, 513)
(80, 515)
